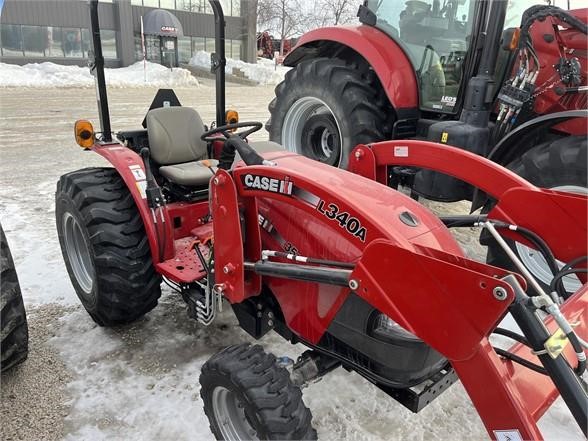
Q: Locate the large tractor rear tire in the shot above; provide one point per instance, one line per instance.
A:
(14, 328)
(327, 106)
(105, 247)
(247, 395)
(560, 165)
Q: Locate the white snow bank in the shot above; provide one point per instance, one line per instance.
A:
(264, 72)
(53, 75)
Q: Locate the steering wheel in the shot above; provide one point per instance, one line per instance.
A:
(226, 131)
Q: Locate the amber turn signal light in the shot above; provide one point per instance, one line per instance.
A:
(84, 133)
(514, 42)
(232, 117)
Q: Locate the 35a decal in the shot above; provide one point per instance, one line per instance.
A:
(349, 223)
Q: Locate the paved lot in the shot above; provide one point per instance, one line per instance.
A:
(141, 381)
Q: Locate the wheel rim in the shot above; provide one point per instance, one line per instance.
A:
(230, 414)
(78, 253)
(321, 143)
(536, 263)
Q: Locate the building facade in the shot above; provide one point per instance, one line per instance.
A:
(36, 31)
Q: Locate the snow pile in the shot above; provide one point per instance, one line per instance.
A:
(55, 75)
(264, 72)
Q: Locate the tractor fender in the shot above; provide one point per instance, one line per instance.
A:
(131, 169)
(381, 52)
(521, 139)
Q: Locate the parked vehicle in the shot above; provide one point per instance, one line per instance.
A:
(13, 324)
(364, 276)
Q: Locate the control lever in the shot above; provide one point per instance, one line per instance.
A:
(155, 198)
(247, 153)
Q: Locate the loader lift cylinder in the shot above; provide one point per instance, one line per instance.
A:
(98, 69)
(559, 370)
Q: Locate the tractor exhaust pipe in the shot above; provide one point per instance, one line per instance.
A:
(97, 69)
(480, 93)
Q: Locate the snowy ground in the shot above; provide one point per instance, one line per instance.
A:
(264, 72)
(140, 382)
(56, 75)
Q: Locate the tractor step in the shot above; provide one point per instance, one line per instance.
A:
(418, 397)
(185, 267)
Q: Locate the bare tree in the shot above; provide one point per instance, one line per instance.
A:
(285, 18)
(334, 12)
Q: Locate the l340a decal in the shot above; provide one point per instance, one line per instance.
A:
(349, 223)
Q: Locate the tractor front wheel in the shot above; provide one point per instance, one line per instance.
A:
(105, 247)
(13, 320)
(558, 165)
(327, 106)
(248, 396)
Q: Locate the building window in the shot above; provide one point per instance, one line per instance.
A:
(34, 40)
(236, 8)
(198, 44)
(11, 40)
(137, 2)
(72, 42)
(184, 49)
(236, 49)
(151, 3)
(108, 43)
(53, 42)
(167, 4)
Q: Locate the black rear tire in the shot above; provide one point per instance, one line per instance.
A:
(106, 251)
(15, 331)
(272, 405)
(353, 93)
(559, 163)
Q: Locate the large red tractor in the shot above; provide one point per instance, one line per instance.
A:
(456, 72)
(364, 276)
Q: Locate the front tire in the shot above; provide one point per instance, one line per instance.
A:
(15, 331)
(105, 247)
(247, 396)
(560, 165)
(326, 106)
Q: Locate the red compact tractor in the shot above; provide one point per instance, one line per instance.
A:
(362, 275)
(456, 72)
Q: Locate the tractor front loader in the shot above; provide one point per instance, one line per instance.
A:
(506, 80)
(364, 276)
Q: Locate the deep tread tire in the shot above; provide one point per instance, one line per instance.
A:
(14, 329)
(354, 94)
(126, 285)
(272, 402)
(555, 163)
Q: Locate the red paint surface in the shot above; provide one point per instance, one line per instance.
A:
(388, 60)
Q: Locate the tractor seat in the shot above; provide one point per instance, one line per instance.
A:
(175, 145)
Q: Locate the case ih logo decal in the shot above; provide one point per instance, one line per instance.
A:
(265, 183)
(349, 223)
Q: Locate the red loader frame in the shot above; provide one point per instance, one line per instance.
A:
(457, 291)
(394, 272)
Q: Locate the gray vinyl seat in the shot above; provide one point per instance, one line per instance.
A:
(175, 145)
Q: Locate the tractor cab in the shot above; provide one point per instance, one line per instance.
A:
(436, 38)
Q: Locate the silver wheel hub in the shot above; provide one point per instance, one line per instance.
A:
(229, 413)
(78, 253)
(294, 122)
(535, 261)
